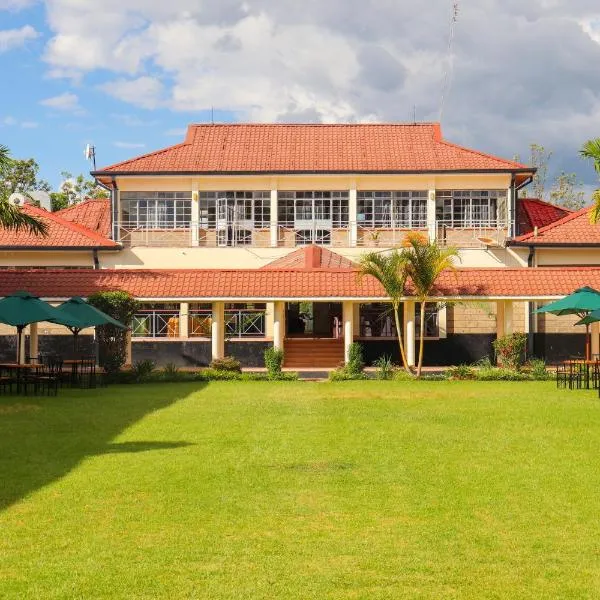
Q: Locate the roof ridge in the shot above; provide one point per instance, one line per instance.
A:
(381, 123)
(69, 224)
(546, 203)
(573, 215)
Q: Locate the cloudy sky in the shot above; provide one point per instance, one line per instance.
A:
(128, 77)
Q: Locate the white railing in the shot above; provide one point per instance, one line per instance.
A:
(244, 323)
(155, 324)
(448, 232)
(471, 234)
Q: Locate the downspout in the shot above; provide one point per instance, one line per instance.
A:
(114, 229)
(532, 316)
(96, 259)
(513, 207)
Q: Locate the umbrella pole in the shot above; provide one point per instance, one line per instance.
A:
(75, 340)
(587, 342)
(19, 342)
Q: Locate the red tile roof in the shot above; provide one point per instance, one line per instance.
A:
(574, 229)
(284, 148)
(93, 213)
(311, 257)
(252, 284)
(532, 212)
(61, 234)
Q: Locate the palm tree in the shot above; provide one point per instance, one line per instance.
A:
(591, 151)
(390, 271)
(10, 215)
(425, 261)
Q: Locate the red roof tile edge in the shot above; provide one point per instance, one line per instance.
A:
(531, 236)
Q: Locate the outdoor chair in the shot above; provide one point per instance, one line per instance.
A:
(7, 379)
(87, 372)
(48, 376)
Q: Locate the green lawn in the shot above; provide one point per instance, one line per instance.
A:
(301, 490)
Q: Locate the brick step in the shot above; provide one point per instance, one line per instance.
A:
(304, 353)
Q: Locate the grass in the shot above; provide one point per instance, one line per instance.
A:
(298, 490)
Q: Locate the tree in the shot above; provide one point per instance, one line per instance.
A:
(591, 151)
(425, 261)
(566, 191)
(390, 270)
(112, 340)
(22, 176)
(11, 217)
(539, 160)
(75, 189)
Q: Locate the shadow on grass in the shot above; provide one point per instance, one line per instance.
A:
(42, 439)
(127, 447)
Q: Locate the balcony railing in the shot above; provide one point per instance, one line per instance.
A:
(199, 323)
(244, 323)
(473, 234)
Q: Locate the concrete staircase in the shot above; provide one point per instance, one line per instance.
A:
(302, 353)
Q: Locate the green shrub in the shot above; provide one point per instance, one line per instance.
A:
(510, 350)
(385, 367)
(274, 362)
(112, 341)
(501, 374)
(537, 369)
(229, 363)
(353, 369)
(461, 372)
(228, 375)
(143, 368)
(403, 375)
(171, 372)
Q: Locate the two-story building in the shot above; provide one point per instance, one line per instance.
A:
(245, 236)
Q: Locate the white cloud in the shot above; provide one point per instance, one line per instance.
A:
(143, 91)
(523, 71)
(15, 38)
(66, 101)
(176, 132)
(9, 121)
(133, 120)
(15, 4)
(129, 145)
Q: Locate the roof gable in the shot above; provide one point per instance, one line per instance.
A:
(93, 213)
(573, 229)
(285, 148)
(311, 258)
(533, 212)
(61, 234)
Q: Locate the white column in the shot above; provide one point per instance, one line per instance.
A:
(128, 350)
(33, 341)
(21, 350)
(595, 333)
(504, 318)
(274, 225)
(352, 212)
(348, 318)
(278, 325)
(409, 332)
(184, 311)
(195, 215)
(431, 228)
(217, 330)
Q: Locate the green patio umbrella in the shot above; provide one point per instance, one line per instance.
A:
(86, 315)
(582, 302)
(22, 308)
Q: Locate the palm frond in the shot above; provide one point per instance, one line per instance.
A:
(591, 151)
(11, 217)
(595, 212)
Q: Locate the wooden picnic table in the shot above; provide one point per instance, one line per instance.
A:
(19, 369)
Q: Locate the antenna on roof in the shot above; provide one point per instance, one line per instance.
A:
(90, 154)
(448, 72)
(414, 114)
(212, 115)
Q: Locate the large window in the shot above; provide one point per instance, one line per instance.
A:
(326, 209)
(405, 210)
(156, 210)
(251, 210)
(471, 208)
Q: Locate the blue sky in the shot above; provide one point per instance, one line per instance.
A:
(129, 75)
